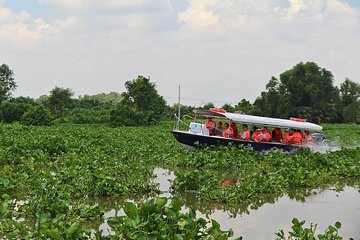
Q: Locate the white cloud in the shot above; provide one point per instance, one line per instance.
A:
(218, 50)
(197, 14)
(22, 28)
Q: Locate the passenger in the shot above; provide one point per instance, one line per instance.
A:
(219, 125)
(265, 135)
(253, 131)
(245, 135)
(219, 129)
(288, 136)
(256, 136)
(308, 138)
(276, 134)
(234, 127)
(297, 138)
(228, 131)
(210, 124)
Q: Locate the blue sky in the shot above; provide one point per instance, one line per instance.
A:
(219, 51)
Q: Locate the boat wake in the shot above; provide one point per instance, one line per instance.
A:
(333, 145)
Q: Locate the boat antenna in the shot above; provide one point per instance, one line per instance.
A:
(179, 114)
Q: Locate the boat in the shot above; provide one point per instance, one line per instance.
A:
(197, 135)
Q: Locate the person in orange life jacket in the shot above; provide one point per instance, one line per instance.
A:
(265, 135)
(210, 124)
(256, 136)
(219, 125)
(288, 136)
(228, 131)
(219, 129)
(253, 131)
(234, 127)
(297, 138)
(276, 134)
(245, 135)
(308, 138)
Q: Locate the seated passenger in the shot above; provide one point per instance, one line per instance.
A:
(297, 138)
(288, 136)
(245, 135)
(276, 134)
(308, 138)
(234, 127)
(219, 125)
(219, 129)
(265, 135)
(256, 136)
(228, 131)
(210, 124)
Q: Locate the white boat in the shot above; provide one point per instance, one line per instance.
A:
(198, 135)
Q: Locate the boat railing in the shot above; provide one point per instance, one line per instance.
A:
(179, 121)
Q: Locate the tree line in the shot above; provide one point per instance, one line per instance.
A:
(306, 91)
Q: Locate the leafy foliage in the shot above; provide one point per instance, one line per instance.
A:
(304, 91)
(350, 101)
(299, 232)
(37, 116)
(140, 101)
(56, 174)
(60, 100)
(13, 111)
(7, 82)
(154, 220)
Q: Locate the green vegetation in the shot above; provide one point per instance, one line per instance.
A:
(304, 91)
(7, 82)
(55, 175)
(51, 177)
(154, 220)
(299, 232)
(307, 91)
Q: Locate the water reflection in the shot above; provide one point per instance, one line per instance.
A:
(260, 218)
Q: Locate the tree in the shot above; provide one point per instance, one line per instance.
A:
(125, 115)
(37, 116)
(243, 106)
(305, 91)
(208, 105)
(227, 107)
(60, 100)
(13, 111)
(140, 105)
(307, 87)
(350, 100)
(7, 82)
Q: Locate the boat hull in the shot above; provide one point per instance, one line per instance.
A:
(197, 140)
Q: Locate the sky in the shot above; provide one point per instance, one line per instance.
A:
(218, 51)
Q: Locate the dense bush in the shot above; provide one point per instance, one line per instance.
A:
(38, 116)
(125, 115)
(13, 112)
(89, 116)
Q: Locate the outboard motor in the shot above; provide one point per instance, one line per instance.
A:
(318, 137)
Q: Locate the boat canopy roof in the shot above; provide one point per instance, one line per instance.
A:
(262, 121)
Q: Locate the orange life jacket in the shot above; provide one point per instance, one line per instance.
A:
(297, 138)
(228, 132)
(256, 136)
(234, 127)
(288, 138)
(219, 126)
(265, 137)
(276, 134)
(245, 135)
(210, 124)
